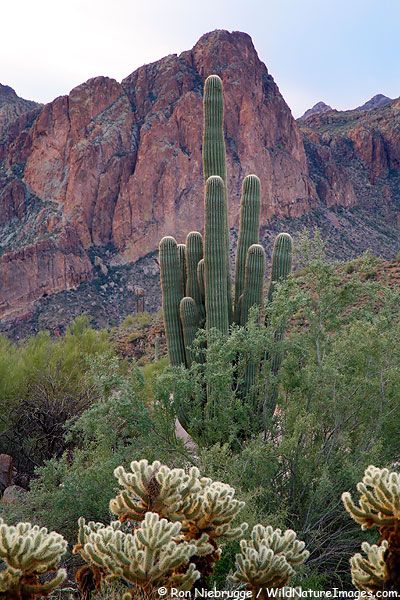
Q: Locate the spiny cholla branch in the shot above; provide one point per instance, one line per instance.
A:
(378, 506)
(154, 555)
(268, 558)
(201, 505)
(26, 552)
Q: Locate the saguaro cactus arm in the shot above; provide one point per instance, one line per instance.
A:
(194, 254)
(190, 323)
(182, 267)
(254, 280)
(281, 261)
(249, 228)
(170, 274)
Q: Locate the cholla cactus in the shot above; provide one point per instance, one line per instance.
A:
(379, 503)
(202, 506)
(26, 553)
(267, 560)
(378, 506)
(154, 555)
(369, 574)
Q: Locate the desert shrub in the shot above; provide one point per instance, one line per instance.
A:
(337, 409)
(116, 428)
(43, 383)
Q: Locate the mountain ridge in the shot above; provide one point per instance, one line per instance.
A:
(98, 176)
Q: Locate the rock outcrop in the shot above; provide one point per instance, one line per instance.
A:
(12, 107)
(110, 168)
(317, 109)
(355, 156)
(376, 101)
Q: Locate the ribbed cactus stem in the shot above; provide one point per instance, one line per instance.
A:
(182, 267)
(171, 296)
(254, 281)
(215, 256)
(200, 278)
(190, 324)
(252, 296)
(214, 161)
(214, 155)
(281, 261)
(194, 254)
(249, 228)
(281, 267)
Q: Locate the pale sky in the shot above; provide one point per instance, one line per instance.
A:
(340, 51)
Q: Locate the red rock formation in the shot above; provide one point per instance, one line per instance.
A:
(354, 156)
(261, 137)
(119, 165)
(12, 107)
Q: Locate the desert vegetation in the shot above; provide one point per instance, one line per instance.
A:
(288, 393)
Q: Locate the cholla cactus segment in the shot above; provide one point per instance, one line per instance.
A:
(201, 505)
(379, 503)
(268, 559)
(154, 487)
(217, 509)
(155, 554)
(27, 551)
(369, 573)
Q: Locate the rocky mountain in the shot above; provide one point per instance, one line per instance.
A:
(376, 101)
(317, 109)
(12, 107)
(91, 181)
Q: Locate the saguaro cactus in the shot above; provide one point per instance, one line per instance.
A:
(190, 324)
(205, 272)
(249, 229)
(215, 259)
(281, 261)
(172, 294)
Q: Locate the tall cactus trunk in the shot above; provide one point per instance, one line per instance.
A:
(215, 260)
(214, 156)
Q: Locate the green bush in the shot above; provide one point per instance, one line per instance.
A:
(43, 383)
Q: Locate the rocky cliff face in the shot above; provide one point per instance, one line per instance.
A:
(107, 170)
(12, 107)
(354, 158)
